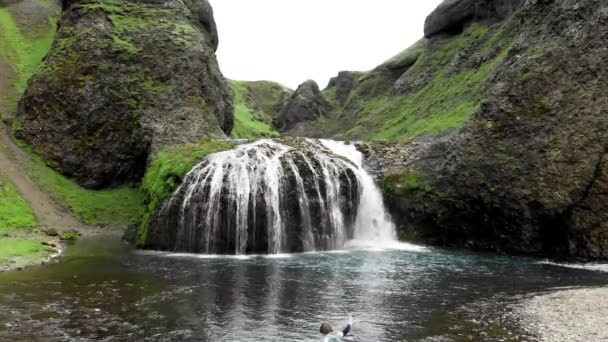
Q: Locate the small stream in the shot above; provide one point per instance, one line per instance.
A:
(103, 290)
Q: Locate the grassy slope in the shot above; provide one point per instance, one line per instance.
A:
(249, 122)
(15, 213)
(112, 207)
(451, 88)
(167, 171)
(23, 52)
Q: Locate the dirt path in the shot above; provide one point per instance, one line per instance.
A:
(48, 213)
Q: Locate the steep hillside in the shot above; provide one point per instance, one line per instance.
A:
(125, 78)
(27, 29)
(433, 86)
(528, 171)
(256, 105)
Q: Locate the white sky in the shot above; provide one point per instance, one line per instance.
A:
(290, 41)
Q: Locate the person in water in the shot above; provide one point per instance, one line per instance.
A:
(335, 336)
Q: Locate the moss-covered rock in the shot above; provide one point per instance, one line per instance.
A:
(527, 172)
(166, 172)
(125, 78)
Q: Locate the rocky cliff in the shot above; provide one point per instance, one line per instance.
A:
(528, 171)
(122, 79)
(495, 127)
(302, 113)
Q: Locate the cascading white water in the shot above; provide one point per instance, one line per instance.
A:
(373, 223)
(270, 197)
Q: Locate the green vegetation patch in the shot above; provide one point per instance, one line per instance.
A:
(250, 123)
(444, 89)
(15, 213)
(22, 52)
(112, 207)
(401, 184)
(130, 19)
(25, 250)
(167, 171)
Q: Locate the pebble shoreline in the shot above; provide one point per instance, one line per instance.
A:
(569, 315)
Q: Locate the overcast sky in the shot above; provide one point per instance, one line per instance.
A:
(290, 41)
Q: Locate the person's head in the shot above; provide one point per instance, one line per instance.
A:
(326, 328)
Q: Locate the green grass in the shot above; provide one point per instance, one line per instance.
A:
(167, 171)
(247, 122)
(444, 97)
(27, 249)
(15, 213)
(112, 207)
(23, 53)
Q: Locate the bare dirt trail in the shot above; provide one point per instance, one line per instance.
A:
(48, 213)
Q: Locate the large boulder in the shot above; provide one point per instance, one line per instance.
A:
(123, 79)
(528, 173)
(452, 15)
(264, 197)
(301, 114)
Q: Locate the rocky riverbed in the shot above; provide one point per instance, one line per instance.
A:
(570, 315)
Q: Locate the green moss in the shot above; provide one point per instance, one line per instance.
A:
(22, 52)
(112, 207)
(15, 213)
(10, 249)
(167, 171)
(130, 19)
(248, 122)
(399, 184)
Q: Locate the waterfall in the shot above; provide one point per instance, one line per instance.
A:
(274, 196)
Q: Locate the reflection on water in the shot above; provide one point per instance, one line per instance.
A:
(105, 291)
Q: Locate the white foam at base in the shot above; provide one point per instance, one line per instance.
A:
(587, 266)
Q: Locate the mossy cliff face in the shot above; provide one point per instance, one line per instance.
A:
(528, 172)
(302, 113)
(123, 79)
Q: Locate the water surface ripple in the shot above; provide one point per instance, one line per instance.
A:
(104, 291)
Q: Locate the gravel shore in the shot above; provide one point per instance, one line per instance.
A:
(569, 315)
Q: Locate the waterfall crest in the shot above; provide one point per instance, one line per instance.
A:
(274, 196)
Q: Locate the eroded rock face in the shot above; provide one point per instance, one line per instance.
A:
(527, 174)
(343, 83)
(300, 115)
(452, 15)
(123, 79)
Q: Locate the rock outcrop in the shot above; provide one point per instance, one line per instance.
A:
(343, 85)
(452, 15)
(123, 79)
(301, 115)
(528, 172)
